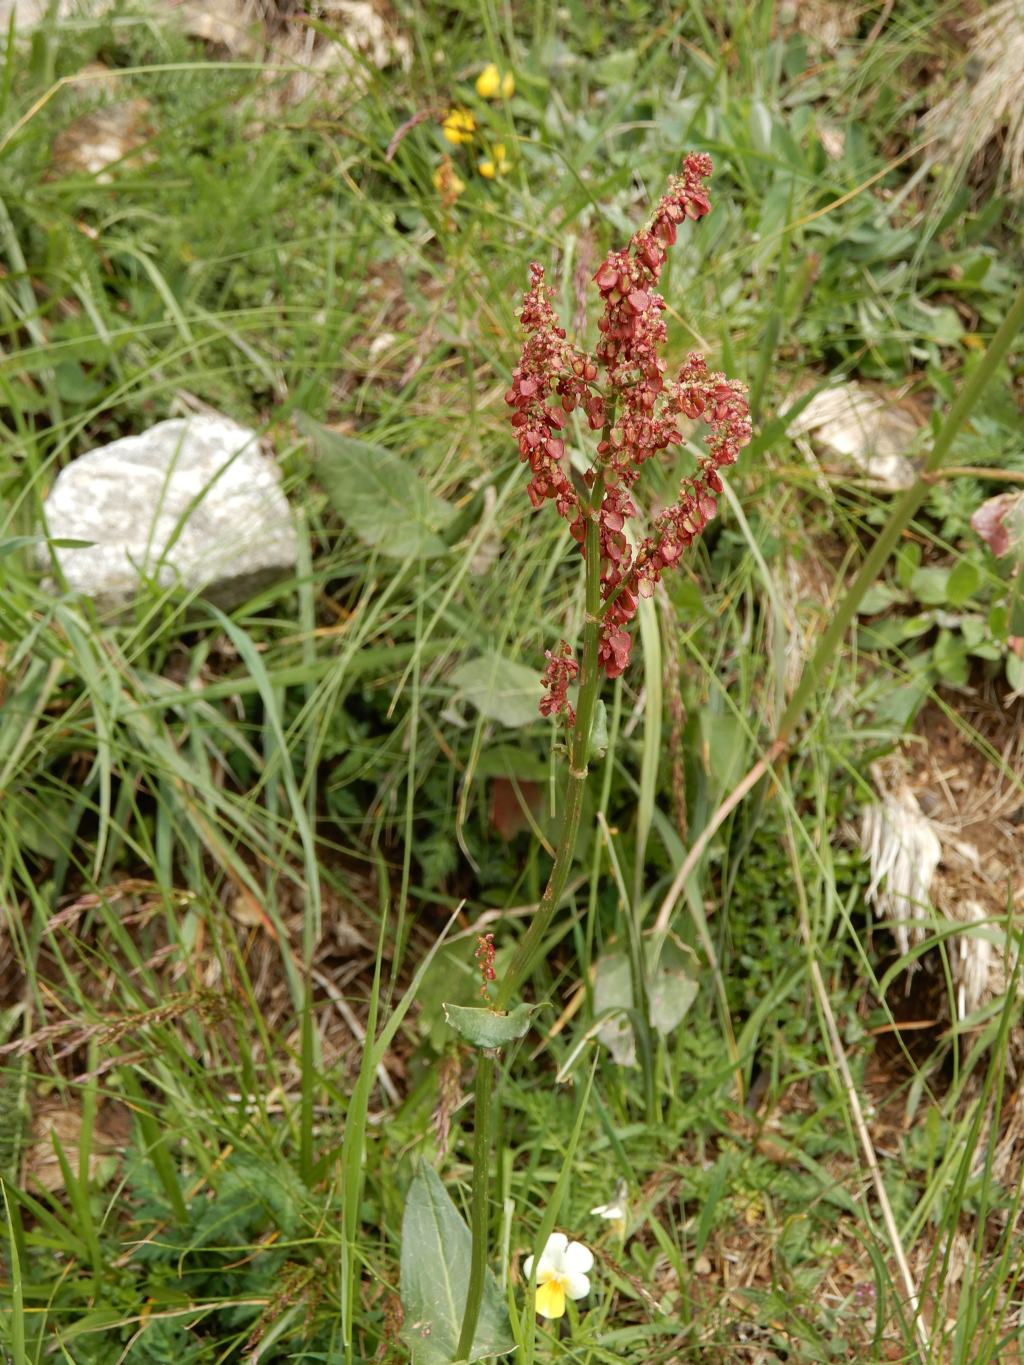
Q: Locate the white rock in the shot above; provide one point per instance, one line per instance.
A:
(191, 501)
(855, 426)
(29, 12)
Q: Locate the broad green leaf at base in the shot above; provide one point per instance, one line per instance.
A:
(435, 1278)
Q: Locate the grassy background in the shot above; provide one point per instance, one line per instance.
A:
(230, 848)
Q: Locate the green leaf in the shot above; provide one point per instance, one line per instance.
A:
(513, 760)
(910, 627)
(499, 688)
(931, 586)
(878, 598)
(13, 543)
(488, 1028)
(936, 322)
(963, 582)
(599, 732)
(674, 983)
(672, 973)
(379, 496)
(899, 705)
(435, 1279)
(950, 658)
(74, 385)
(908, 557)
(999, 621)
(613, 999)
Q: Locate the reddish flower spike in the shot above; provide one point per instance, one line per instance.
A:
(647, 410)
(484, 955)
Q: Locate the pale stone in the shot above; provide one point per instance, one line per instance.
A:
(858, 428)
(103, 138)
(29, 12)
(192, 501)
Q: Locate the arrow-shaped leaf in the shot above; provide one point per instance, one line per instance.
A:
(487, 1028)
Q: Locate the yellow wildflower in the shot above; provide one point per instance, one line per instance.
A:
(491, 84)
(495, 164)
(459, 126)
(448, 183)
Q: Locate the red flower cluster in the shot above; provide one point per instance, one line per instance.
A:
(646, 414)
(485, 960)
(562, 669)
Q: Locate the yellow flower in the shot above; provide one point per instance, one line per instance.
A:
(448, 183)
(459, 126)
(491, 84)
(495, 164)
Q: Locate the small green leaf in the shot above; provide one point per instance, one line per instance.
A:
(380, 497)
(13, 543)
(513, 760)
(878, 598)
(74, 385)
(1016, 606)
(673, 986)
(899, 705)
(908, 557)
(974, 631)
(613, 999)
(963, 582)
(499, 688)
(760, 124)
(950, 658)
(488, 1028)
(435, 1279)
(599, 733)
(672, 972)
(1015, 671)
(999, 621)
(910, 627)
(930, 586)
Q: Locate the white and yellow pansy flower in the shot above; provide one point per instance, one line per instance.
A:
(562, 1270)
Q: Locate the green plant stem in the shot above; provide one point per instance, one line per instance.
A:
(529, 948)
(900, 517)
(590, 686)
(484, 1089)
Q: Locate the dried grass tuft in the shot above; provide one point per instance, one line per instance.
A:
(985, 109)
